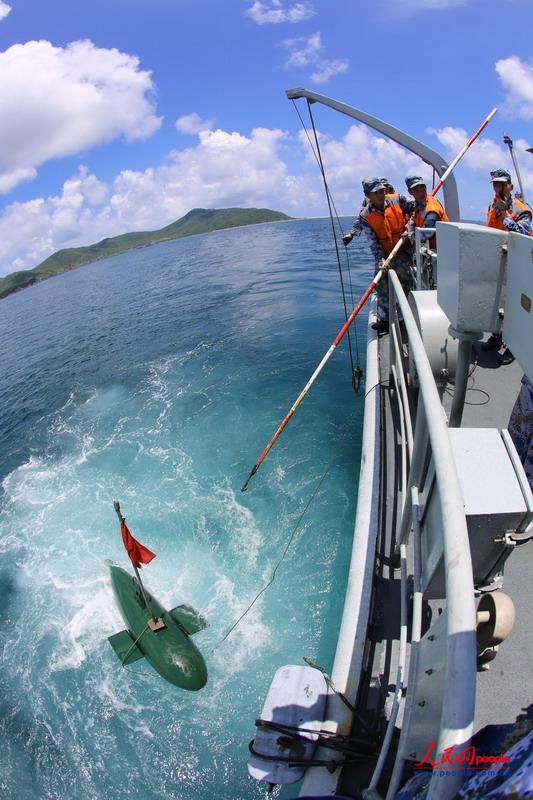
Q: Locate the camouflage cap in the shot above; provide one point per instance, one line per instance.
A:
(500, 175)
(414, 180)
(371, 184)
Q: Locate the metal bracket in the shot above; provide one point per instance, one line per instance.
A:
(156, 624)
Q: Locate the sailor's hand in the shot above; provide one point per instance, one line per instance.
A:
(499, 204)
(346, 239)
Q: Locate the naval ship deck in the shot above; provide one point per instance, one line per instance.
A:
(504, 691)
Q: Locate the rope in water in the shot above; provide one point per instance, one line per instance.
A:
(344, 440)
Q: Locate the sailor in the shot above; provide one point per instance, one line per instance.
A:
(383, 220)
(506, 214)
(389, 192)
(428, 210)
(389, 188)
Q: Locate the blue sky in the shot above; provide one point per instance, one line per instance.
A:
(125, 114)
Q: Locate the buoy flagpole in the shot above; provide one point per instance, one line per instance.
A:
(154, 623)
(382, 271)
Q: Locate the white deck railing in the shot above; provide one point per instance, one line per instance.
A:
(452, 693)
(439, 698)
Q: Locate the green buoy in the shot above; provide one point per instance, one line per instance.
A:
(162, 637)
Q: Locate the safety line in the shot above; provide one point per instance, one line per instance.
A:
(344, 440)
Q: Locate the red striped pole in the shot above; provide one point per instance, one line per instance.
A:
(311, 380)
(383, 269)
(459, 156)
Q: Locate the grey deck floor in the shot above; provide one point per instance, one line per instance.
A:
(505, 691)
(501, 383)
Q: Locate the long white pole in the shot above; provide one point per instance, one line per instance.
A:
(459, 156)
(382, 271)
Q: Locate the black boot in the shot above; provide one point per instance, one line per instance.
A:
(494, 342)
(381, 326)
(506, 357)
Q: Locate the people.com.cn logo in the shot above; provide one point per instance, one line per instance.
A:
(468, 758)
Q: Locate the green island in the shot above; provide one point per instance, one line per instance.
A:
(199, 220)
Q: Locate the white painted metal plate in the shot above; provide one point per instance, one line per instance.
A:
(486, 474)
(494, 504)
(424, 698)
(432, 543)
(472, 265)
(433, 325)
(296, 698)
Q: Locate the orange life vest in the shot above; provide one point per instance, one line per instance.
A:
(387, 225)
(432, 204)
(496, 220)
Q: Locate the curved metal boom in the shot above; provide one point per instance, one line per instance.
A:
(431, 157)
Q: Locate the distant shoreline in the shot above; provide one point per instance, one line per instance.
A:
(197, 222)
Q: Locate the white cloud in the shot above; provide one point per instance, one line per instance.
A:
(517, 79)
(304, 51)
(359, 153)
(261, 13)
(486, 155)
(193, 123)
(4, 9)
(309, 52)
(404, 8)
(12, 178)
(31, 231)
(93, 191)
(58, 101)
(482, 157)
(223, 169)
(326, 69)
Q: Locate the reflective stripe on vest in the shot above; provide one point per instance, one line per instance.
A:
(387, 225)
(496, 220)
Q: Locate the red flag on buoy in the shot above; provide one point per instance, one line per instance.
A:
(138, 553)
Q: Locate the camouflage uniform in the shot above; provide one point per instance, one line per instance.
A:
(402, 262)
(519, 222)
(515, 217)
(521, 427)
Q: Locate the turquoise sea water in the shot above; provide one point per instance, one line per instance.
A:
(156, 377)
